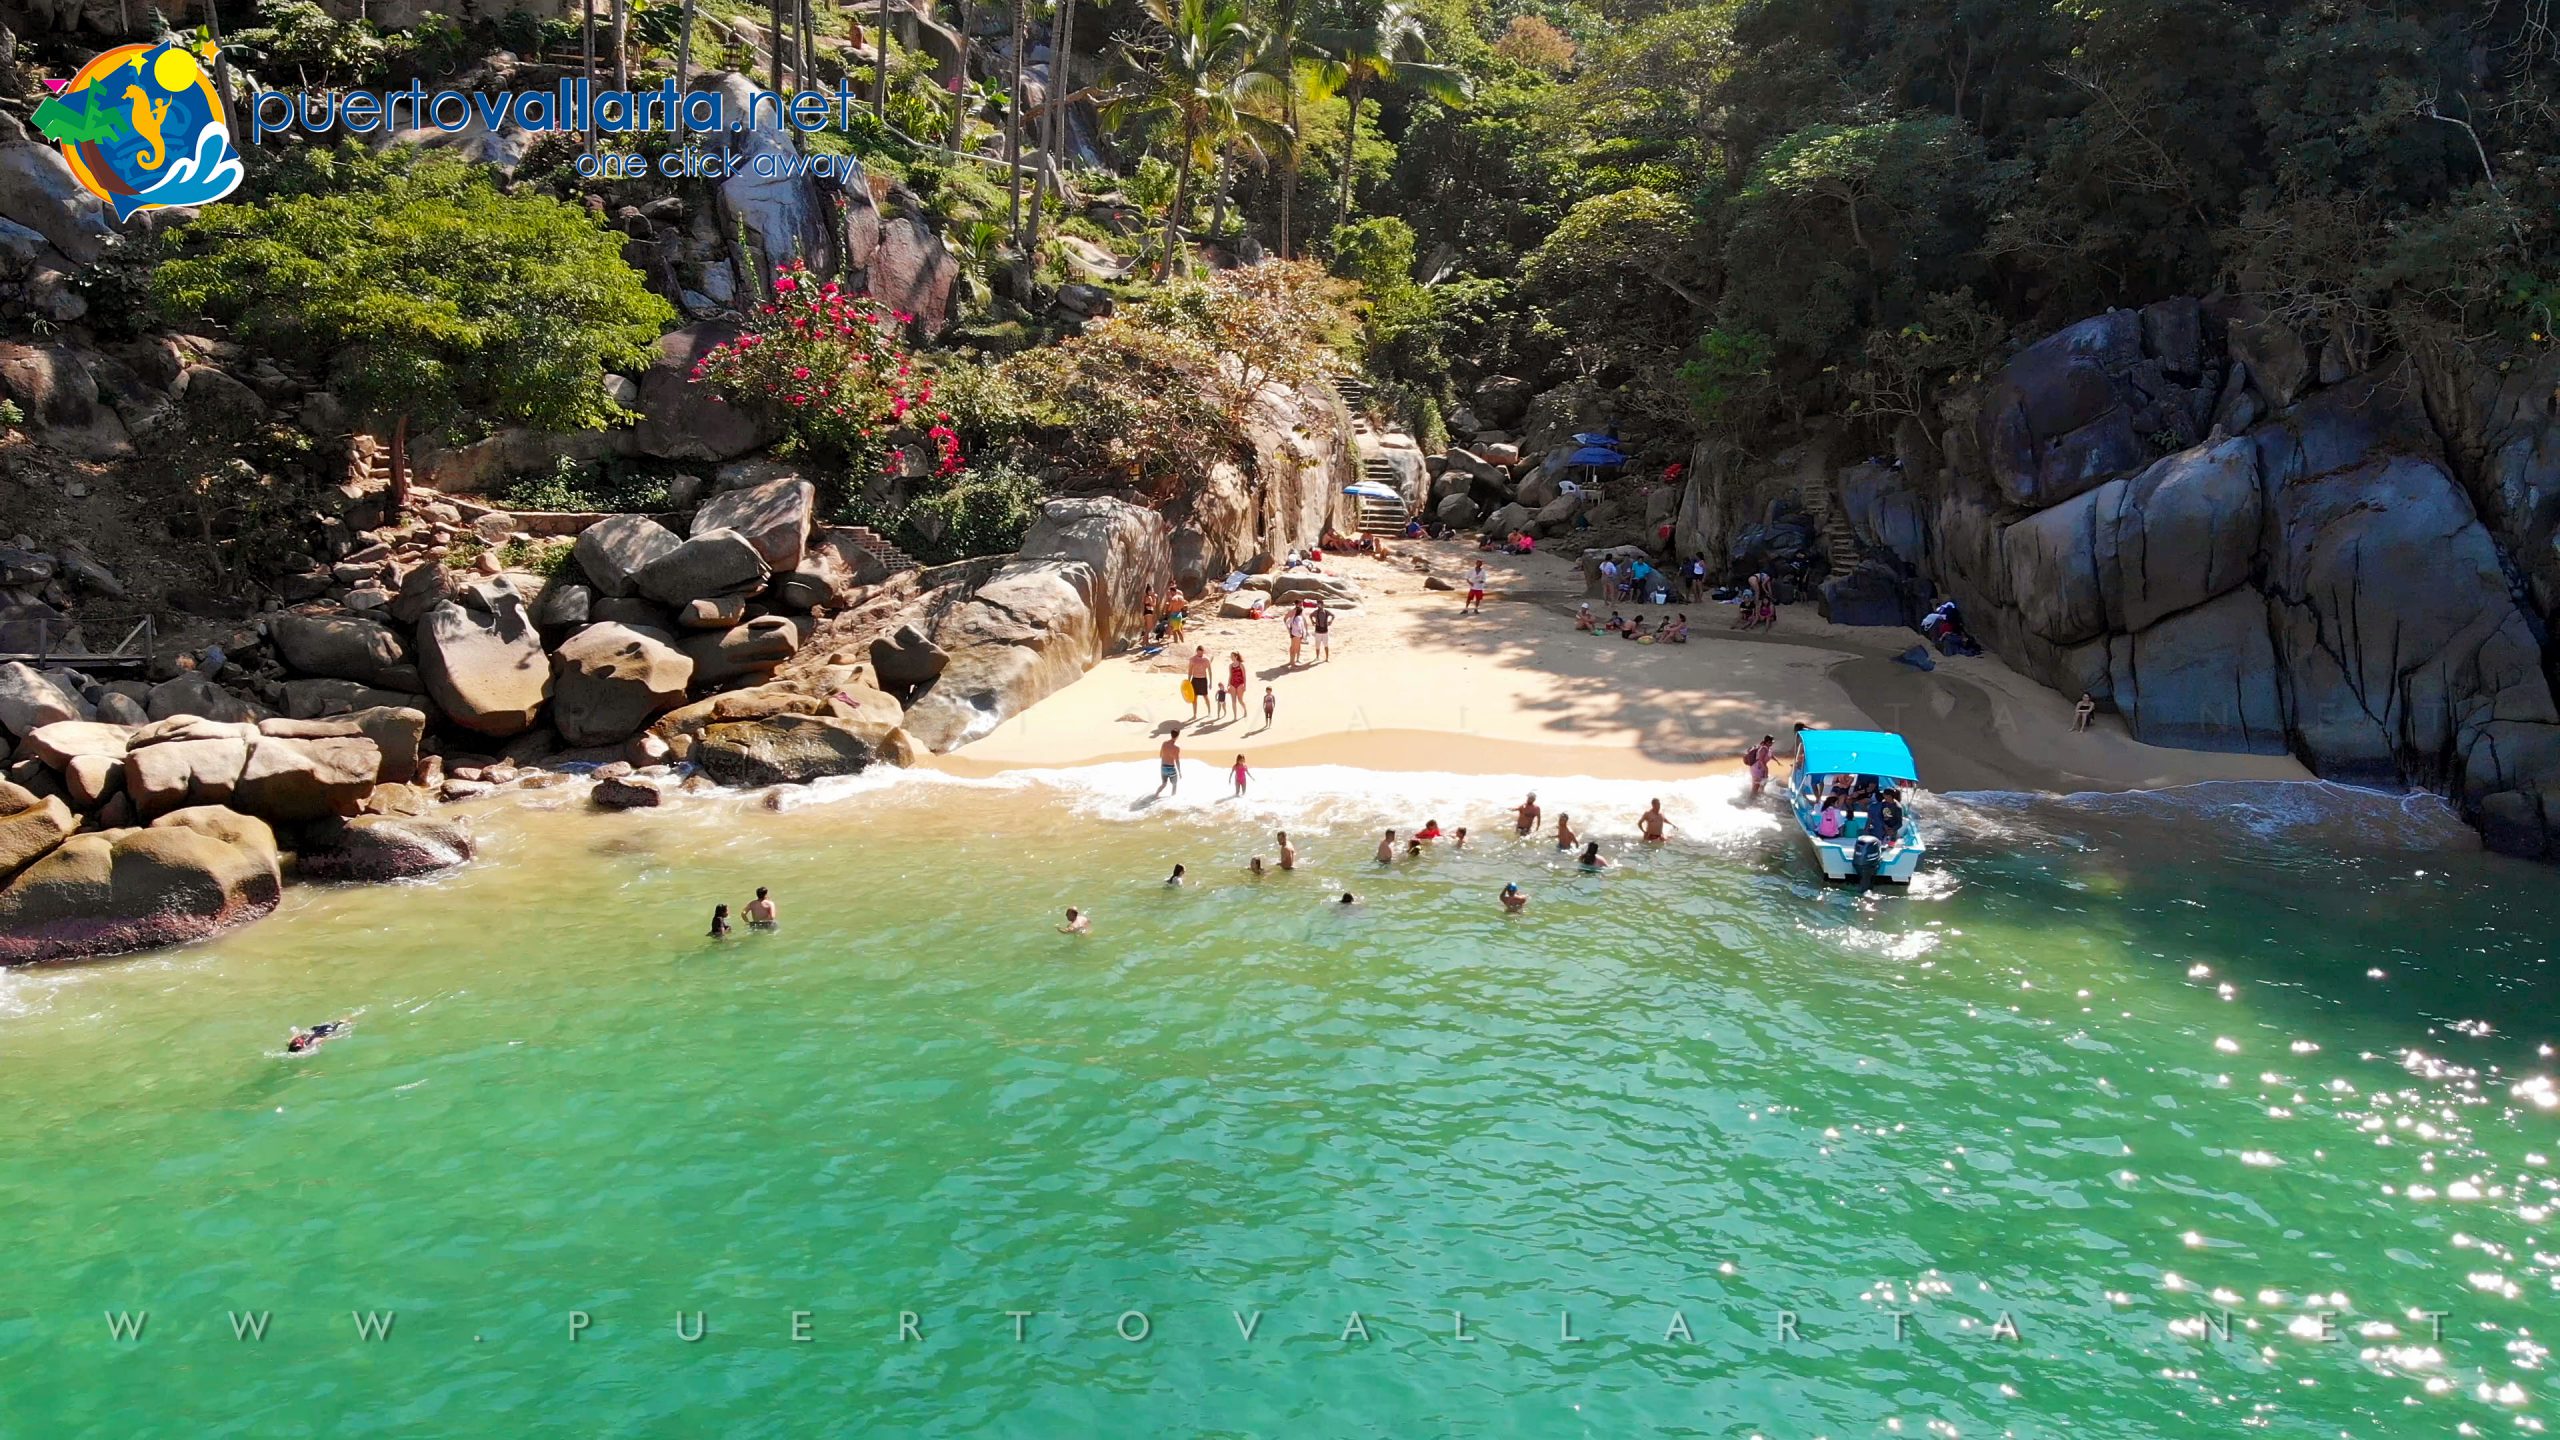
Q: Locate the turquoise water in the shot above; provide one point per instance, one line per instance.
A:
(2118, 1066)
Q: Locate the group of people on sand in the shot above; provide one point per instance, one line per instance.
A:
(1674, 629)
(1201, 684)
(761, 915)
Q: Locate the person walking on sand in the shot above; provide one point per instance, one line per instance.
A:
(1475, 591)
(1236, 681)
(760, 911)
(1199, 674)
(1270, 706)
(2081, 712)
(1324, 631)
(1297, 628)
(1653, 823)
(1525, 819)
(1288, 852)
(1758, 757)
(1565, 838)
(1387, 849)
(1169, 763)
(1242, 772)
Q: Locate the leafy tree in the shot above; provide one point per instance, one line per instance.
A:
(1378, 253)
(1196, 82)
(1531, 41)
(431, 293)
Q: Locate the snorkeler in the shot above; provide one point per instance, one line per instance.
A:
(306, 1041)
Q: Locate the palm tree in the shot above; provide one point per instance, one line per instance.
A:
(1311, 74)
(1382, 44)
(1196, 84)
(773, 43)
(1013, 117)
(960, 84)
(684, 48)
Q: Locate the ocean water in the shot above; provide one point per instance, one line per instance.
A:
(2216, 1112)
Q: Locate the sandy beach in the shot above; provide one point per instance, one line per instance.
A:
(1415, 685)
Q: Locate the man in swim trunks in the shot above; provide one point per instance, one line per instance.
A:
(1324, 632)
(1199, 678)
(760, 912)
(1652, 823)
(1475, 590)
(1525, 819)
(1169, 763)
(1288, 852)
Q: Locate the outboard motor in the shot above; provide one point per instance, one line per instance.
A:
(1866, 857)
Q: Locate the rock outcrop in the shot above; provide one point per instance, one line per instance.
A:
(189, 875)
(2322, 581)
(1067, 598)
(483, 663)
(611, 679)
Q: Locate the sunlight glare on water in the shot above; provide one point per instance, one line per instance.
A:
(2127, 1121)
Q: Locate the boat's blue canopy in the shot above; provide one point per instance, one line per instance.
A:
(1595, 455)
(1859, 752)
(1592, 438)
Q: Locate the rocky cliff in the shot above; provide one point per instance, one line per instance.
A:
(2184, 513)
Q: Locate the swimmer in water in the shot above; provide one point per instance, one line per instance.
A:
(1348, 899)
(1526, 817)
(1254, 867)
(1387, 849)
(1288, 852)
(1175, 879)
(1652, 823)
(1514, 900)
(1078, 923)
(1458, 840)
(760, 912)
(1565, 838)
(1592, 859)
(719, 922)
(306, 1041)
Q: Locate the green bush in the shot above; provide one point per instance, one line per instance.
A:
(1377, 252)
(983, 511)
(589, 488)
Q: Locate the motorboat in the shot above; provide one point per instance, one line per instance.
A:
(1875, 768)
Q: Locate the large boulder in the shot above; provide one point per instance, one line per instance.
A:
(485, 669)
(165, 775)
(913, 274)
(312, 699)
(396, 732)
(613, 551)
(1072, 593)
(756, 648)
(611, 679)
(1871, 594)
(2202, 679)
(684, 420)
(833, 573)
(38, 191)
(29, 700)
(1509, 518)
(183, 878)
(337, 647)
(774, 517)
(59, 743)
(375, 848)
(1294, 585)
(712, 562)
(787, 749)
(1500, 400)
(29, 832)
(768, 196)
(1456, 511)
(906, 660)
(289, 778)
(193, 695)
(56, 387)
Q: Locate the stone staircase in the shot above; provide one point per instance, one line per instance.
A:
(1831, 524)
(1377, 517)
(880, 548)
(368, 464)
